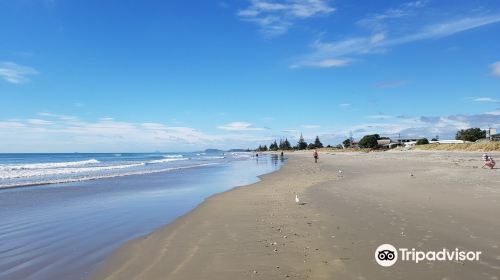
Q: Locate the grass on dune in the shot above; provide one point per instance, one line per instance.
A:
(471, 147)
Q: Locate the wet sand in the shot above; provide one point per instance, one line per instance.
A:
(259, 232)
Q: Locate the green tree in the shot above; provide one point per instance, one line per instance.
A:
(422, 141)
(273, 146)
(347, 143)
(302, 144)
(317, 143)
(311, 146)
(262, 148)
(369, 141)
(470, 134)
(286, 145)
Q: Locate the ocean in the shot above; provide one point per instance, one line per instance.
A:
(62, 214)
(35, 169)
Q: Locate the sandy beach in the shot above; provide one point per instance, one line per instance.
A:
(259, 232)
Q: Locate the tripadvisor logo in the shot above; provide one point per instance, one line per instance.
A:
(387, 255)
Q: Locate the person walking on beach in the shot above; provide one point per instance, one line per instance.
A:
(281, 153)
(315, 154)
(488, 161)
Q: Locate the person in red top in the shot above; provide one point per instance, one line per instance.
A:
(315, 154)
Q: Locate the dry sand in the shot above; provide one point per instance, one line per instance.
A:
(259, 232)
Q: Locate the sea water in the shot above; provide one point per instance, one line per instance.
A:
(62, 214)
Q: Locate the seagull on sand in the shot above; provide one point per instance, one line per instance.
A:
(297, 200)
(340, 171)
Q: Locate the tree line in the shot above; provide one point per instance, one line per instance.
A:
(367, 141)
(285, 145)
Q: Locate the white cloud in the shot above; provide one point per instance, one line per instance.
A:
(15, 73)
(495, 69)
(416, 127)
(57, 116)
(344, 104)
(446, 29)
(378, 22)
(379, 42)
(486, 99)
(276, 17)
(65, 134)
(325, 63)
(11, 125)
(39, 122)
(240, 126)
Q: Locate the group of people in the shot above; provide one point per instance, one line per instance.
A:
(488, 160)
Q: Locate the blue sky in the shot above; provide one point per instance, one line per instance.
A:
(185, 75)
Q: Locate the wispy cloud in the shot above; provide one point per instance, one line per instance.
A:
(378, 22)
(39, 122)
(276, 17)
(16, 74)
(344, 104)
(495, 69)
(380, 42)
(325, 63)
(240, 126)
(486, 99)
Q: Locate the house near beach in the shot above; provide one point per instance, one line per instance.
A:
(492, 135)
(386, 143)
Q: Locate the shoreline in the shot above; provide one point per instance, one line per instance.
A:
(258, 232)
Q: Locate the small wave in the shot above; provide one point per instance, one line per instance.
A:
(166, 160)
(47, 165)
(86, 178)
(173, 156)
(214, 157)
(27, 173)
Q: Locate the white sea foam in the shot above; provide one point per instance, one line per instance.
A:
(47, 165)
(173, 156)
(95, 177)
(166, 160)
(27, 173)
(213, 157)
(241, 155)
(68, 168)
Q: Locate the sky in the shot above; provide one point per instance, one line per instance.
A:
(141, 76)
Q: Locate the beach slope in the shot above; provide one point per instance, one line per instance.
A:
(260, 232)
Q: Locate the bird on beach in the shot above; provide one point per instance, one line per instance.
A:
(340, 171)
(411, 174)
(297, 200)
